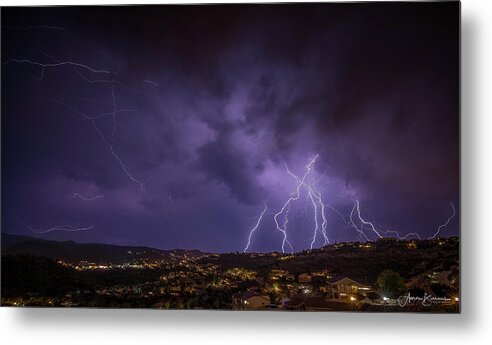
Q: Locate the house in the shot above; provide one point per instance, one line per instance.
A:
(250, 300)
(345, 288)
(324, 274)
(304, 278)
(296, 302)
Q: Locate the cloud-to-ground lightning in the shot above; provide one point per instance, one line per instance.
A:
(317, 202)
(367, 224)
(318, 208)
(95, 197)
(355, 220)
(361, 235)
(364, 224)
(255, 227)
(294, 197)
(363, 221)
(448, 220)
(67, 228)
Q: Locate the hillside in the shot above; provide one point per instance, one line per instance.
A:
(357, 260)
(73, 252)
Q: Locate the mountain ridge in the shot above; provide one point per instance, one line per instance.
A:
(73, 252)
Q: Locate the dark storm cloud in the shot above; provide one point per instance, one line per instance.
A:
(219, 98)
(221, 164)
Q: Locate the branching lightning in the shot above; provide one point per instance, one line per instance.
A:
(109, 144)
(281, 218)
(97, 76)
(317, 202)
(364, 227)
(67, 228)
(364, 224)
(361, 234)
(77, 65)
(57, 64)
(294, 197)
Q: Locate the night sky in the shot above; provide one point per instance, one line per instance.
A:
(211, 103)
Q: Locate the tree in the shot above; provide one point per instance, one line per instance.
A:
(441, 290)
(390, 284)
(417, 292)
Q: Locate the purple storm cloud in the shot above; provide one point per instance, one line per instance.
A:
(207, 106)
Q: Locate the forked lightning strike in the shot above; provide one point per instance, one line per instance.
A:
(363, 222)
(77, 65)
(381, 233)
(286, 205)
(312, 195)
(316, 200)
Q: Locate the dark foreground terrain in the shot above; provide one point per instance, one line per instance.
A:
(382, 276)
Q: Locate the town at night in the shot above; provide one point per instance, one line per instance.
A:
(295, 157)
(348, 276)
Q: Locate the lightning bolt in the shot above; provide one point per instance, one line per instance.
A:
(254, 228)
(313, 194)
(286, 220)
(315, 219)
(281, 218)
(317, 202)
(80, 196)
(109, 144)
(381, 233)
(56, 64)
(36, 27)
(283, 229)
(97, 76)
(68, 228)
(361, 235)
(77, 65)
(355, 219)
(445, 223)
(363, 222)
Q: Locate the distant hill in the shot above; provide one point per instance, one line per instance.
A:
(73, 252)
